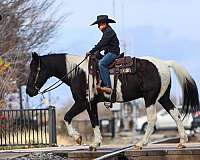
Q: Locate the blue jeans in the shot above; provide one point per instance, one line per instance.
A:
(103, 68)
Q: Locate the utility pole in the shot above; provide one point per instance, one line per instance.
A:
(49, 97)
(20, 97)
(124, 45)
(114, 8)
(27, 101)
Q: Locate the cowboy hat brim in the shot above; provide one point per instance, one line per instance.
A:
(107, 21)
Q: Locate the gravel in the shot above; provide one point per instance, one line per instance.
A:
(42, 156)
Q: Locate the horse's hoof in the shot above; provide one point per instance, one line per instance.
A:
(138, 148)
(94, 147)
(180, 146)
(91, 148)
(79, 140)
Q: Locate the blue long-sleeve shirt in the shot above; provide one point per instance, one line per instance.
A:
(109, 42)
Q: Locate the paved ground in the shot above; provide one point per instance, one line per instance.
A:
(59, 153)
(78, 152)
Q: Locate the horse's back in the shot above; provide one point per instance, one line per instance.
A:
(163, 71)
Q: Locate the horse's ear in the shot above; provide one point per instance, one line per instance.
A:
(35, 56)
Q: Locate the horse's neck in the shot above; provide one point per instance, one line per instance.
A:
(72, 62)
(56, 66)
(61, 66)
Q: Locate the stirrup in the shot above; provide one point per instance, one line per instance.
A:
(108, 105)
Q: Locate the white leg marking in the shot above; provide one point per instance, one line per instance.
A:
(97, 135)
(177, 117)
(151, 118)
(71, 131)
(164, 73)
(97, 138)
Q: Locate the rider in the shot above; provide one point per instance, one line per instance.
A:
(110, 44)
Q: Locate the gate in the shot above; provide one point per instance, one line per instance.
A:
(28, 127)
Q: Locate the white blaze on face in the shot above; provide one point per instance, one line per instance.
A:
(163, 71)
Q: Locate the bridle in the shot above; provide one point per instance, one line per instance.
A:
(36, 77)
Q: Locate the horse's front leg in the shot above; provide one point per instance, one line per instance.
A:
(93, 114)
(77, 108)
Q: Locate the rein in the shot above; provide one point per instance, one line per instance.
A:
(50, 88)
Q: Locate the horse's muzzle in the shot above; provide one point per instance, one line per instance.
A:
(31, 92)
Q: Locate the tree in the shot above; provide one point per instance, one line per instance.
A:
(25, 25)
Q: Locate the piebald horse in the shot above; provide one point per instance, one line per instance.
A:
(152, 81)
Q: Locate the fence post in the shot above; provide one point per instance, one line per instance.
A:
(52, 126)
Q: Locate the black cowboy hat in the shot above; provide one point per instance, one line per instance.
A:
(103, 18)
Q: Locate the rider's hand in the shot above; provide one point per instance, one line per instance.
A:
(88, 54)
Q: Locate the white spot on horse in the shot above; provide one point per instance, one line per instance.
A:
(119, 96)
(164, 73)
(72, 61)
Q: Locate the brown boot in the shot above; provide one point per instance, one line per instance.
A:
(104, 89)
(99, 89)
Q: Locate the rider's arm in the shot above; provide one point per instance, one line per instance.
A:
(107, 36)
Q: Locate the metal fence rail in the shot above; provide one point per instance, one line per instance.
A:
(28, 127)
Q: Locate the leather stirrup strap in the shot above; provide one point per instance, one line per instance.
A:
(113, 96)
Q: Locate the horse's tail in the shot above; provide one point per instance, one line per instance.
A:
(189, 88)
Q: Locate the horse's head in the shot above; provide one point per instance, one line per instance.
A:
(37, 77)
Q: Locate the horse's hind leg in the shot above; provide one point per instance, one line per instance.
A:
(151, 119)
(93, 114)
(173, 111)
(77, 108)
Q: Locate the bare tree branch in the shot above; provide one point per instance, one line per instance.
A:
(25, 25)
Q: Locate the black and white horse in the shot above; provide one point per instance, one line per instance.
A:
(152, 81)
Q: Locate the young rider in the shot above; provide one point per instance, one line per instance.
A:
(110, 44)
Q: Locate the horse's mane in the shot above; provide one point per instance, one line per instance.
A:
(53, 54)
(56, 54)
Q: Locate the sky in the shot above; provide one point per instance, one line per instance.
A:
(167, 30)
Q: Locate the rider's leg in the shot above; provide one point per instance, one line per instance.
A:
(103, 68)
